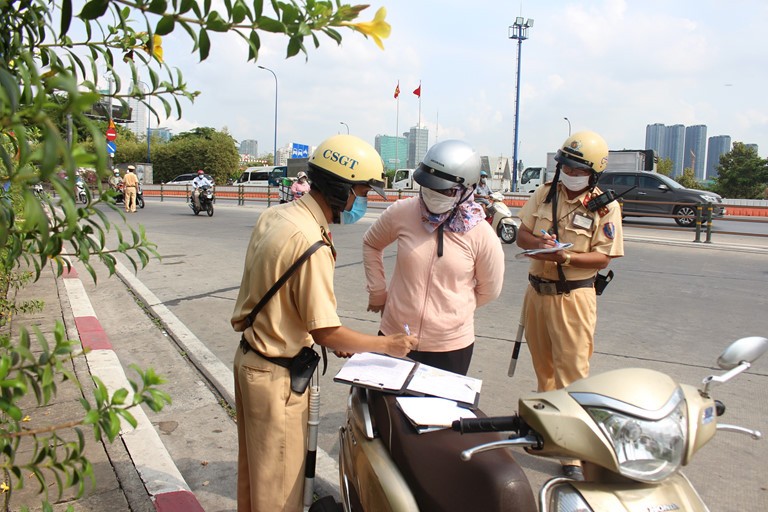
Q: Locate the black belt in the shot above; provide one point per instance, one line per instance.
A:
(547, 287)
(285, 362)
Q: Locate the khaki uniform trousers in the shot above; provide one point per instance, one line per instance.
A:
(560, 332)
(130, 199)
(272, 432)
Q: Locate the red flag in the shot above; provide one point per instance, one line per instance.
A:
(397, 90)
(417, 91)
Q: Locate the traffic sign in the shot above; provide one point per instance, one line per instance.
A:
(111, 133)
(111, 148)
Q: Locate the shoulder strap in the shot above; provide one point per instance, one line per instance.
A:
(280, 282)
(555, 222)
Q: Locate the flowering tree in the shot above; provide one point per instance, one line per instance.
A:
(50, 59)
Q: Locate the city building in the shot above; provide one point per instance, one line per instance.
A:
(418, 141)
(249, 147)
(392, 150)
(752, 146)
(695, 150)
(717, 146)
(162, 134)
(674, 147)
(655, 138)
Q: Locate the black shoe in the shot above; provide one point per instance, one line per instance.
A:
(573, 472)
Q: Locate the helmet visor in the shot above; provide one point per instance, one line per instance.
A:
(429, 177)
(378, 187)
(573, 161)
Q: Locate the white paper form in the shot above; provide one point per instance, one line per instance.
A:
(433, 381)
(531, 252)
(375, 370)
(425, 411)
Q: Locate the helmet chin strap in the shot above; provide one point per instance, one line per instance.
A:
(440, 228)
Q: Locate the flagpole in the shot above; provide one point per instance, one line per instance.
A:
(397, 126)
(419, 104)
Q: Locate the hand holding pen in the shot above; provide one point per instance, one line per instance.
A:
(549, 240)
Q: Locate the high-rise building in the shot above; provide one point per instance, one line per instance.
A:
(249, 147)
(163, 134)
(718, 146)
(392, 150)
(695, 149)
(418, 141)
(655, 138)
(752, 146)
(675, 147)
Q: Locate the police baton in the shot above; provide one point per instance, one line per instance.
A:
(518, 343)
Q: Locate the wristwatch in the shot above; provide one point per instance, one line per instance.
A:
(567, 261)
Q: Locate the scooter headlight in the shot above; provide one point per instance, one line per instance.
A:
(648, 450)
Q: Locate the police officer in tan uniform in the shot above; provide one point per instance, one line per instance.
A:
(560, 307)
(271, 418)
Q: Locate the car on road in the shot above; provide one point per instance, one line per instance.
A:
(186, 179)
(657, 194)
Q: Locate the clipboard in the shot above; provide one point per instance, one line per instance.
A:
(407, 377)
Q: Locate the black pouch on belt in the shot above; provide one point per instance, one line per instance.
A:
(601, 281)
(302, 367)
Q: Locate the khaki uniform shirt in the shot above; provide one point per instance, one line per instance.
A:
(306, 301)
(130, 180)
(604, 235)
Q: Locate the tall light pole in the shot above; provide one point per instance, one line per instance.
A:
(519, 31)
(569, 125)
(345, 124)
(274, 154)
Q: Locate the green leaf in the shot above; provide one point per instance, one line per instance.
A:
(66, 16)
(158, 6)
(271, 25)
(294, 46)
(216, 23)
(119, 396)
(165, 25)
(204, 44)
(239, 11)
(94, 9)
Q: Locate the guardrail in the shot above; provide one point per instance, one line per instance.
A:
(703, 222)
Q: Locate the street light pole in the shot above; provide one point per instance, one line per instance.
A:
(519, 31)
(274, 154)
(569, 126)
(345, 124)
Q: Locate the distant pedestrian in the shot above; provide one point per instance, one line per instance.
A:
(130, 184)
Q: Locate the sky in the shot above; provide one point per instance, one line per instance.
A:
(610, 66)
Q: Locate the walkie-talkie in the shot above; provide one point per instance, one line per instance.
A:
(605, 199)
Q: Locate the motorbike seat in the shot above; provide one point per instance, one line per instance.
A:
(438, 478)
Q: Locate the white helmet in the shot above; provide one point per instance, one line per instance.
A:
(300, 175)
(116, 171)
(447, 164)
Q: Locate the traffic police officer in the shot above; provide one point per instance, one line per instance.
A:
(560, 307)
(271, 418)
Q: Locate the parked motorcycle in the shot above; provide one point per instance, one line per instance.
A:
(632, 428)
(206, 201)
(500, 217)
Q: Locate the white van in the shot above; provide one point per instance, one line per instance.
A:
(262, 176)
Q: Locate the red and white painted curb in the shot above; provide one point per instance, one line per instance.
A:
(162, 479)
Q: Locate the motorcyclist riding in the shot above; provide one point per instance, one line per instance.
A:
(115, 180)
(483, 191)
(301, 186)
(199, 181)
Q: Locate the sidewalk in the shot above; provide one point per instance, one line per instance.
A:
(135, 473)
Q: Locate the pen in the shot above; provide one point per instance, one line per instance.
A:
(546, 233)
(407, 329)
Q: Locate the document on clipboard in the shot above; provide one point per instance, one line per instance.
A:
(407, 377)
(427, 413)
(531, 252)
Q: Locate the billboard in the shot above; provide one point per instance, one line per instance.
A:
(299, 151)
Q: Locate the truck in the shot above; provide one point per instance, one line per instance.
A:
(497, 168)
(618, 160)
(403, 180)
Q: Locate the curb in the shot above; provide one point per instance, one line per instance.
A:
(164, 483)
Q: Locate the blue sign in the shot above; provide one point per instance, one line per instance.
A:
(299, 151)
(111, 148)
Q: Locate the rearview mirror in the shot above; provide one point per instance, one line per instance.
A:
(746, 349)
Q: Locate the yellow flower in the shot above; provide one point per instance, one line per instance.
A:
(4, 488)
(26, 418)
(377, 28)
(157, 47)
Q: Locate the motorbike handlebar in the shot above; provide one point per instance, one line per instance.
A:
(494, 424)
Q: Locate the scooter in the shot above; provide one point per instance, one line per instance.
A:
(120, 197)
(206, 201)
(632, 428)
(80, 194)
(500, 217)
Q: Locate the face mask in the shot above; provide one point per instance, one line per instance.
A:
(437, 202)
(574, 183)
(357, 211)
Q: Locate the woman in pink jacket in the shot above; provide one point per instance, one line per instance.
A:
(449, 260)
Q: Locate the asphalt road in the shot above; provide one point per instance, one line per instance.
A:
(669, 308)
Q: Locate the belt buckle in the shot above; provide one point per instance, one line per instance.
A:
(548, 288)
